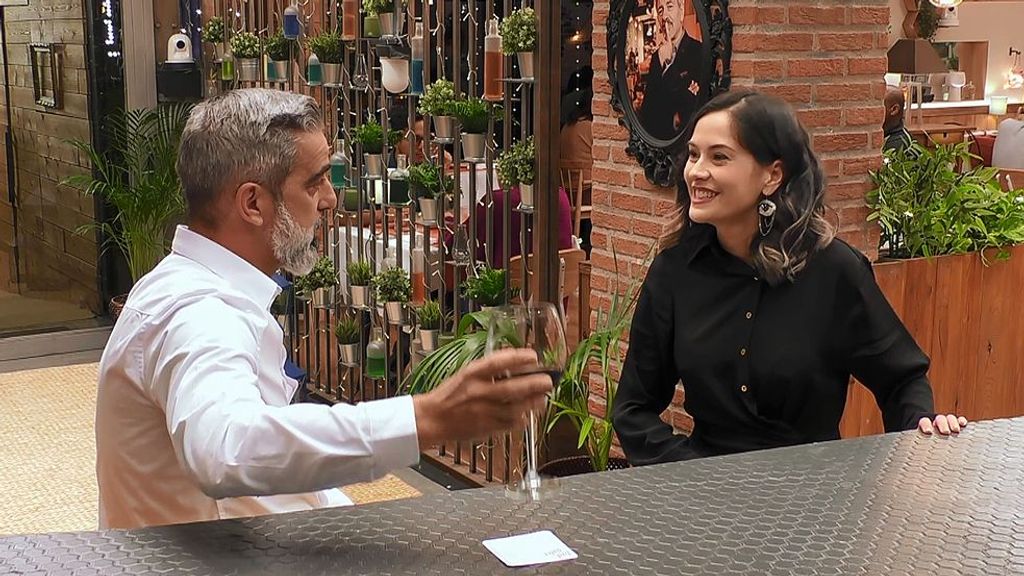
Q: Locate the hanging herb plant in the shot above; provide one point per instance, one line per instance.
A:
(380, 6)
(517, 164)
(425, 180)
(245, 45)
(439, 99)
(519, 31)
(474, 114)
(371, 135)
(327, 47)
(277, 47)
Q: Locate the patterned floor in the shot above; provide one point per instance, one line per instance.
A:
(47, 453)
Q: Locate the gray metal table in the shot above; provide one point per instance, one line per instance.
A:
(896, 504)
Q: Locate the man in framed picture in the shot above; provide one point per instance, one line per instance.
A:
(673, 82)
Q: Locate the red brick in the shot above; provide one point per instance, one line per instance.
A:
(631, 247)
(601, 85)
(816, 15)
(846, 42)
(648, 228)
(601, 152)
(743, 15)
(602, 130)
(792, 93)
(815, 67)
(599, 16)
(869, 15)
(614, 177)
(848, 191)
(776, 42)
(631, 202)
(832, 167)
(862, 164)
(815, 117)
(618, 154)
(601, 107)
(612, 221)
(853, 217)
(771, 15)
(839, 142)
(773, 70)
(664, 206)
(875, 66)
(868, 116)
(599, 62)
(841, 92)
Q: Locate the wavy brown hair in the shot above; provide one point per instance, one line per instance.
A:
(768, 128)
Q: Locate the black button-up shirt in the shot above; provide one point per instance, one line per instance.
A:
(761, 366)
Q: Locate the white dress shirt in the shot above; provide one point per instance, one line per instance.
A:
(193, 420)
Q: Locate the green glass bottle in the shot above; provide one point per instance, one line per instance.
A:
(375, 364)
(314, 73)
(227, 67)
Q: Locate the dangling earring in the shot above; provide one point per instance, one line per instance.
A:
(766, 213)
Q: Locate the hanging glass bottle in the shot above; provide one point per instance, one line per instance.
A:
(314, 73)
(227, 67)
(375, 352)
(291, 21)
(349, 15)
(339, 166)
(398, 183)
(416, 70)
(494, 63)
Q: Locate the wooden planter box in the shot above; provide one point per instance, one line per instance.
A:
(969, 319)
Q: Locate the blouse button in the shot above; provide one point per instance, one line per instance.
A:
(743, 351)
(750, 315)
(743, 388)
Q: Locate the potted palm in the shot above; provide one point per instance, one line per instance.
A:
(474, 115)
(438, 102)
(136, 176)
(328, 50)
(429, 315)
(519, 37)
(360, 276)
(425, 182)
(213, 33)
(245, 47)
(516, 167)
(394, 288)
(320, 284)
(278, 50)
(348, 332)
(486, 287)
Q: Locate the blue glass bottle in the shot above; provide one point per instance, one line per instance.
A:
(416, 67)
(291, 22)
(314, 74)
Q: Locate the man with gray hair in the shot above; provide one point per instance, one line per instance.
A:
(193, 417)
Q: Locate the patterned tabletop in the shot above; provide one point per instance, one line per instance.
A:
(894, 504)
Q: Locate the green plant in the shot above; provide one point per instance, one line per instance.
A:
(486, 286)
(474, 114)
(517, 164)
(359, 273)
(429, 315)
(438, 99)
(392, 285)
(468, 345)
(245, 45)
(136, 175)
(381, 6)
(371, 135)
(601, 351)
(926, 206)
(323, 275)
(347, 330)
(519, 31)
(326, 46)
(213, 32)
(277, 47)
(425, 180)
(927, 20)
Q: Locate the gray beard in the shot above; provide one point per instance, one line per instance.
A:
(293, 246)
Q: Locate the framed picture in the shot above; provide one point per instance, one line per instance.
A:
(666, 58)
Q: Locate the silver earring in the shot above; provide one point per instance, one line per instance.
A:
(766, 212)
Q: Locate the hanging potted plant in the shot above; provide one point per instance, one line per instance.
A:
(348, 332)
(438, 102)
(519, 37)
(370, 135)
(245, 47)
(474, 116)
(278, 50)
(136, 175)
(350, 200)
(320, 284)
(390, 16)
(516, 167)
(328, 50)
(213, 33)
(429, 315)
(360, 277)
(371, 16)
(394, 288)
(486, 287)
(425, 184)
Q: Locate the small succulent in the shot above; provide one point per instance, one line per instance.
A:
(474, 114)
(245, 45)
(213, 32)
(519, 31)
(371, 135)
(392, 285)
(425, 180)
(429, 315)
(323, 275)
(487, 287)
(359, 273)
(277, 47)
(347, 330)
(327, 47)
(438, 99)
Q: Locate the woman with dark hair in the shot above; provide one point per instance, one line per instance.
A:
(757, 308)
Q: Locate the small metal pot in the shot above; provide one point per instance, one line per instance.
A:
(323, 298)
(474, 146)
(428, 210)
(374, 165)
(332, 74)
(391, 24)
(361, 296)
(428, 340)
(277, 71)
(248, 69)
(525, 65)
(395, 312)
(351, 199)
(371, 26)
(444, 128)
(526, 195)
(349, 354)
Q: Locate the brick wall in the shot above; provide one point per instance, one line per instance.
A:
(826, 58)
(55, 262)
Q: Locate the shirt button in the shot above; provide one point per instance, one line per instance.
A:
(750, 315)
(756, 278)
(743, 388)
(743, 351)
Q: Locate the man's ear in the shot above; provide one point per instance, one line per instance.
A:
(774, 180)
(253, 203)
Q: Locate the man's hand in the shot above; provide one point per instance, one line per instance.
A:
(481, 399)
(945, 423)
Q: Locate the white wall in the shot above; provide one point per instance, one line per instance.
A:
(1001, 24)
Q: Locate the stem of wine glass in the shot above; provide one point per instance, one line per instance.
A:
(532, 477)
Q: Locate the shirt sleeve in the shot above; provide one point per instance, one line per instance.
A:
(648, 378)
(234, 444)
(883, 355)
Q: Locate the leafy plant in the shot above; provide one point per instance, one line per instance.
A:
(429, 315)
(245, 45)
(425, 180)
(486, 286)
(277, 47)
(392, 285)
(136, 175)
(323, 275)
(438, 99)
(359, 273)
(601, 351)
(347, 330)
(474, 114)
(927, 20)
(519, 31)
(927, 207)
(517, 164)
(326, 46)
(213, 32)
(468, 345)
(381, 6)
(371, 135)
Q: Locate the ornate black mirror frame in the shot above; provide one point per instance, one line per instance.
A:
(658, 154)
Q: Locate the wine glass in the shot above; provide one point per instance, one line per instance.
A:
(537, 326)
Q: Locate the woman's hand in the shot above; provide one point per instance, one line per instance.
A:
(945, 423)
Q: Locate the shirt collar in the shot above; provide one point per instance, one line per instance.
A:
(239, 273)
(697, 238)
